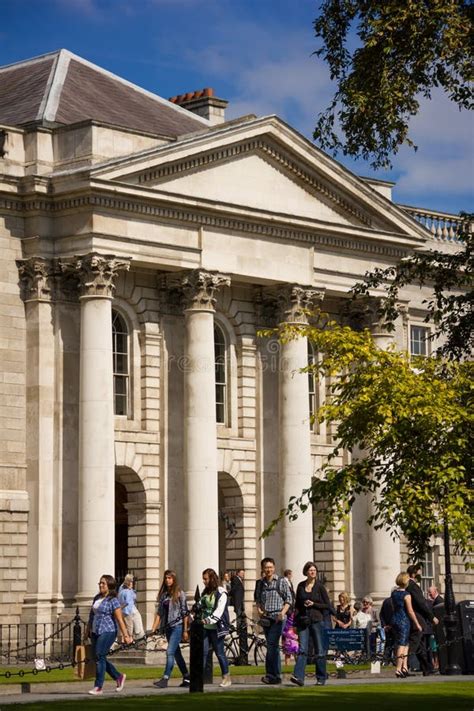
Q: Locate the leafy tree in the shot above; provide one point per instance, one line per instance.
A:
(449, 279)
(403, 51)
(413, 419)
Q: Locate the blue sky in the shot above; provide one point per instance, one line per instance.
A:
(255, 53)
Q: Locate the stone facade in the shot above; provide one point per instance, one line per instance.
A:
(234, 228)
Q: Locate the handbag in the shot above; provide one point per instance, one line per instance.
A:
(302, 621)
(160, 643)
(85, 667)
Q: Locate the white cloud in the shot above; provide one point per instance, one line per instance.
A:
(271, 69)
(444, 161)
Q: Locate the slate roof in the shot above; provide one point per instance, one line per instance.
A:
(61, 88)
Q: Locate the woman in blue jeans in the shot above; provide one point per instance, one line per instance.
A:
(215, 613)
(312, 601)
(104, 618)
(172, 618)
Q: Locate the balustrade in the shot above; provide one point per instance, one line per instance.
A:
(443, 226)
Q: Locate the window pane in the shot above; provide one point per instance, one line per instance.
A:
(220, 369)
(120, 405)
(311, 382)
(120, 385)
(427, 571)
(120, 363)
(419, 338)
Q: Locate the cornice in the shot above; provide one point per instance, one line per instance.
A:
(267, 227)
(255, 145)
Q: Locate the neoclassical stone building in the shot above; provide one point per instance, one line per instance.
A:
(144, 424)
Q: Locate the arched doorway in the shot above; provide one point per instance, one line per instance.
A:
(121, 532)
(231, 522)
(130, 516)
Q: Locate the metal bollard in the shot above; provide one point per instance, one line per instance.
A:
(209, 669)
(243, 639)
(196, 647)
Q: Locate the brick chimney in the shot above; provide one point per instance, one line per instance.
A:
(203, 103)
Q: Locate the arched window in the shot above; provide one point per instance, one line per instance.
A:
(312, 383)
(120, 351)
(220, 361)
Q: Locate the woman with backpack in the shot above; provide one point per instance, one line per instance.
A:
(215, 613)
(172, 618)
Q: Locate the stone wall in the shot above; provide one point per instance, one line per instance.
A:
(13, 500)
(13, 554)
(462, 578)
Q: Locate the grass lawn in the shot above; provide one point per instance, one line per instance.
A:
(450, 696)
(141, 672)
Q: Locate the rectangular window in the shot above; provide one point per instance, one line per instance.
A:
(121, 365)
(427, 572)
(221, 385)
(419, 341)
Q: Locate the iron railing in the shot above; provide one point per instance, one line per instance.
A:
(50, 641)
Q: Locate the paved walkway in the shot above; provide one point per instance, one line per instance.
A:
(57, 691)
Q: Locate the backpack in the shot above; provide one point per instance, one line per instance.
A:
(258, 590)
(223, 623)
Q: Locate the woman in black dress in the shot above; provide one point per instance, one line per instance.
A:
(343, 618)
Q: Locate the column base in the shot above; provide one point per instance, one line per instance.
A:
(38, 609)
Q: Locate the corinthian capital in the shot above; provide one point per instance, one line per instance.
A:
(36, 278)
(294, 301)
(199, 288)
(362, 313)
(97, 273)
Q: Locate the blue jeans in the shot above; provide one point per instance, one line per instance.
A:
(273, 658)
(217, 644)
(173, 635)
(316, 630)
(101, 645)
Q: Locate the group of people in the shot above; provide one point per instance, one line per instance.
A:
(113, 611)
(289, 619)
(275, 598)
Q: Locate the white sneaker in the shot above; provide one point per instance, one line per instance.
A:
(121, 682)
(226, 680)
(95, 691)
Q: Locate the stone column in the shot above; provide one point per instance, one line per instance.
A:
(96, 274)
(383, 553)
(294, 436)
(36, 281)
(201, 538)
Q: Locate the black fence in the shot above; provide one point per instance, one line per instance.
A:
(47, 641)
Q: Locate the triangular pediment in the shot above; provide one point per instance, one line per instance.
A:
(255, 179)
(261, 165)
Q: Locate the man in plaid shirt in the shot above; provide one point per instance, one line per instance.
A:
(273, 599)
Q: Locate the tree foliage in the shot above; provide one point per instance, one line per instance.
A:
(449, 279)
(403, 51)
(414, 421)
